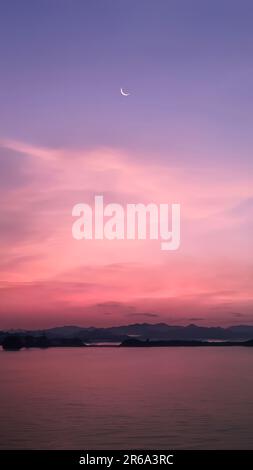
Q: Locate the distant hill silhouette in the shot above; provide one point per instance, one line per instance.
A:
(142, 331)
(15, 342)
(12, 343)
(136, 343)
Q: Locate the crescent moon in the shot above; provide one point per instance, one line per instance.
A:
(123, 92)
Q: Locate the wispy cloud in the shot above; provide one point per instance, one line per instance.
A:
(41, 185)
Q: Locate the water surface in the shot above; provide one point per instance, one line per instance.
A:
(107, 398)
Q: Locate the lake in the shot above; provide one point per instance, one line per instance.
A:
(127, 398)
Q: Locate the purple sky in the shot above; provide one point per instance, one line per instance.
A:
(188, 65)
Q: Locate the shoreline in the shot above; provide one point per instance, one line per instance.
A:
(130, 343)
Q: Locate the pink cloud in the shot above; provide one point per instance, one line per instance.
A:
(45, 270)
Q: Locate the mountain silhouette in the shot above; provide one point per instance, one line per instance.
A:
(141, 331)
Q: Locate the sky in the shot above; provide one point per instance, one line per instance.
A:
(184, 135)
